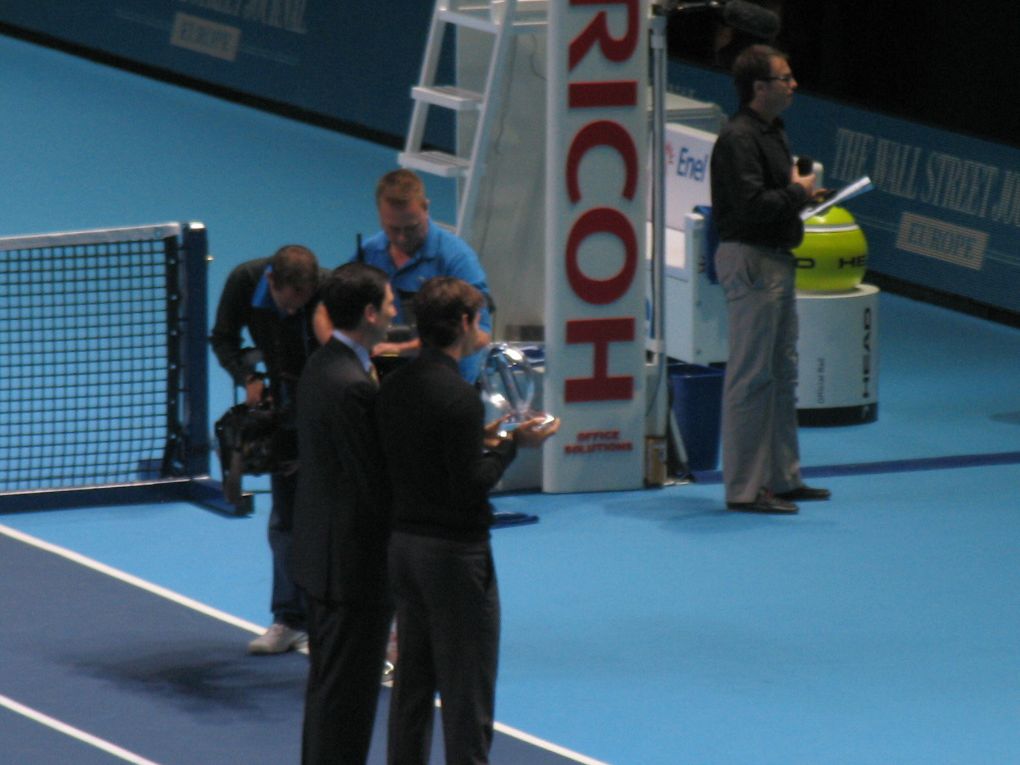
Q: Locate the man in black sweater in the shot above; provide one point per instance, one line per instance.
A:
(442, 461)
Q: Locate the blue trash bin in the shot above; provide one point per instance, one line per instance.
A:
(697, 405)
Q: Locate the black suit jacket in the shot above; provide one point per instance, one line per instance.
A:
(341, 516)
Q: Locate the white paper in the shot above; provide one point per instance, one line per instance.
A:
(849, 191)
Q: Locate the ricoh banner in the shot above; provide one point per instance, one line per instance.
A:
(348, 60)
(945, 209)
(596, 181)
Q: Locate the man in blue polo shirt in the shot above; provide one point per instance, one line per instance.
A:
(411, 249)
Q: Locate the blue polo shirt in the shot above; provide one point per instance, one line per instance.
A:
(262, 297)
(442, 254)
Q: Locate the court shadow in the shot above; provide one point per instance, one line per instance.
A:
(680, 513)
(215, 681)
(1007, 418)
(690, 515)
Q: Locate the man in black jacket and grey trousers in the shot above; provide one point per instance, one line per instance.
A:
(442, 461)
(757, 196)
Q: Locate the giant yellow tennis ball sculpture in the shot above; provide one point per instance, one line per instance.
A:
(834, 254)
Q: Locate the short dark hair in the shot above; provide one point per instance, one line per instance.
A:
(349, 289)
(295, 266)
(752, 65)
(439, 306)
(400, 188)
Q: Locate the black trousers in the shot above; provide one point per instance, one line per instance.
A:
(346, 647)
(448, 610)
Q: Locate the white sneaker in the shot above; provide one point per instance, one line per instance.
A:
(279, 638)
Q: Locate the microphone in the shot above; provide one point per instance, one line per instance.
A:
(805, 165)
(751, 19)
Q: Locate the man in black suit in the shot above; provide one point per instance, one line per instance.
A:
(341, 521)
(442, 461)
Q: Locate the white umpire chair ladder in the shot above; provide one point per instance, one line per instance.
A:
(502, 19)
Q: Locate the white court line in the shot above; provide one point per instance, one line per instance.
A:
(215, 613)
(527, 738)
(123, 576)
(73, 732)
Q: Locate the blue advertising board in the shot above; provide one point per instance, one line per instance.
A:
(945, 209)
(353, 61)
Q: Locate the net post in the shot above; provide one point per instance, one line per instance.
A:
(195, 369)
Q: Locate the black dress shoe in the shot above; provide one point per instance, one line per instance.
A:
(765, 502)
(805, 494)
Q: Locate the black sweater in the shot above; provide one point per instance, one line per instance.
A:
(431, 427)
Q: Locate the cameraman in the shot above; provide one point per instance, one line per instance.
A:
(274, 298)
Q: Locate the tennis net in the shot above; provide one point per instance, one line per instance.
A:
(103, 366)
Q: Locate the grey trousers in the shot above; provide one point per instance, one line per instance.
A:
(759, 416)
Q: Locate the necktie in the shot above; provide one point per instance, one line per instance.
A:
(373, 373)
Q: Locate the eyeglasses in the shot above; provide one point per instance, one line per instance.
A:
(785, 78)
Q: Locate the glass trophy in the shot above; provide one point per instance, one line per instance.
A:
(508, 386)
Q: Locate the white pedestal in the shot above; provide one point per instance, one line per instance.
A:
(838, 350)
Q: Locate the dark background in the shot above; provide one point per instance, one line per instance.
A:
(949, 64)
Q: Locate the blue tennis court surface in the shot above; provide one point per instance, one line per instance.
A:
(640, 628)
(93, 661)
